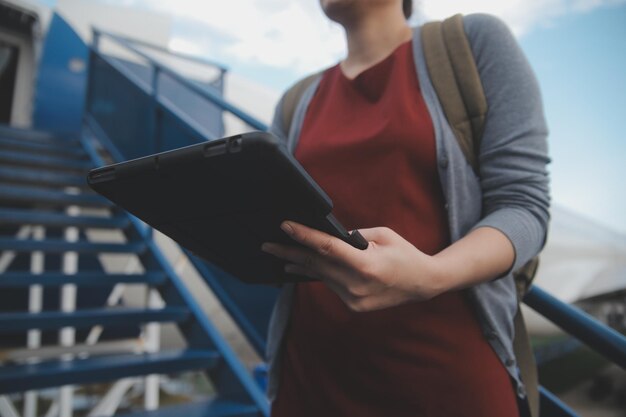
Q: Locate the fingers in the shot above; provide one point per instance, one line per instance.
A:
(303, 257)
(311, 264)
(322, 243)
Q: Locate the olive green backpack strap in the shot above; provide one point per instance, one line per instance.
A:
(292, 98)
(455, 78)
(453, 73)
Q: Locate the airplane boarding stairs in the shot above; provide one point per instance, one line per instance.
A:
(67, 255)
(46, 218)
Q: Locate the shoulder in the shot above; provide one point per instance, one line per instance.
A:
(489, 37)
(482, 27)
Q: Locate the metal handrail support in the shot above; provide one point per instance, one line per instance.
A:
(599, 337)
(552, 406)
(205, 93)
(158, 48)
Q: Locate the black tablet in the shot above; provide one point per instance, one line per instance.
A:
(222, 199)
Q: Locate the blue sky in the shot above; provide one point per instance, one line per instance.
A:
(580, 61)
(576, 47)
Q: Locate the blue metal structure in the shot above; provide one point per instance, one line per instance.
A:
(133, 108)
(61, 79)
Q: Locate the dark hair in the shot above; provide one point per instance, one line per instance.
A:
(407, 8)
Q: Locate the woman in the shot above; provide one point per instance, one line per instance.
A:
(420, 323)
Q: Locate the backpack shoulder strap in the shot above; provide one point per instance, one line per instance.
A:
(454, 76)
(292, 98)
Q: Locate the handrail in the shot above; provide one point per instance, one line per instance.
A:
(159, 48)
(209, 95)
(187, 124)
(601, 338)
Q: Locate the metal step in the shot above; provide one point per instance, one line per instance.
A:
(82, 279)
(36, 195)
(62, 150)
(28, 159)
(60, 246)
(23, 377)
(213, 408)
(32, 135)
(118, 317)
(43, 177)
(21, 217)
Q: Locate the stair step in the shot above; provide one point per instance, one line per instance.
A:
(24, 377)
(18, 216)
(213, 408)
(31, 135)
(63, 150)
(60, 246)
(118, 317)
(21, 194)
(41, 177)
(23, 158)
(83, 279)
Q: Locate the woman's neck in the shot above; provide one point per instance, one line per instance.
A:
(373, 37)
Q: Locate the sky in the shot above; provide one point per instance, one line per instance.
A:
(576, 47)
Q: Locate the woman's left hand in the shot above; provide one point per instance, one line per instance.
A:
(390, 272)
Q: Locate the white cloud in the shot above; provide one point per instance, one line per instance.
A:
(280, 33)
(295, 34)
(521, 15)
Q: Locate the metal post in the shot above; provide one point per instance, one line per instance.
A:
(152, 339)
(35, 302)
(67, 335)
(95, 39)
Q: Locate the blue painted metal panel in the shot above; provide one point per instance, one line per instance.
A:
(122, 108)
(16, 378)
(51, 320)
(82, 279)
(201, 111)
(61, 80)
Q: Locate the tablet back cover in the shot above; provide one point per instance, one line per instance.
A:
(221, 200)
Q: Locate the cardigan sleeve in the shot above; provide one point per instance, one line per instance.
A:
(513, 156)
(276, 128)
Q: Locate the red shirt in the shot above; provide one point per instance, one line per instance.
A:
(369, 143)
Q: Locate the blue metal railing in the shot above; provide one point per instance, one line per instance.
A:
(158, 68)
(599, 337)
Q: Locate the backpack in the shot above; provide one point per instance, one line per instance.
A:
(455, 78)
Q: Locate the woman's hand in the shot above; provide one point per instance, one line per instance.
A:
(391, 271)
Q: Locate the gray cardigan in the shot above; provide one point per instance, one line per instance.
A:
(511, 194)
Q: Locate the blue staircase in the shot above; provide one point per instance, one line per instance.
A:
(42, 177)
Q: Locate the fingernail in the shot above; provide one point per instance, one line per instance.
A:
(287, 228)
